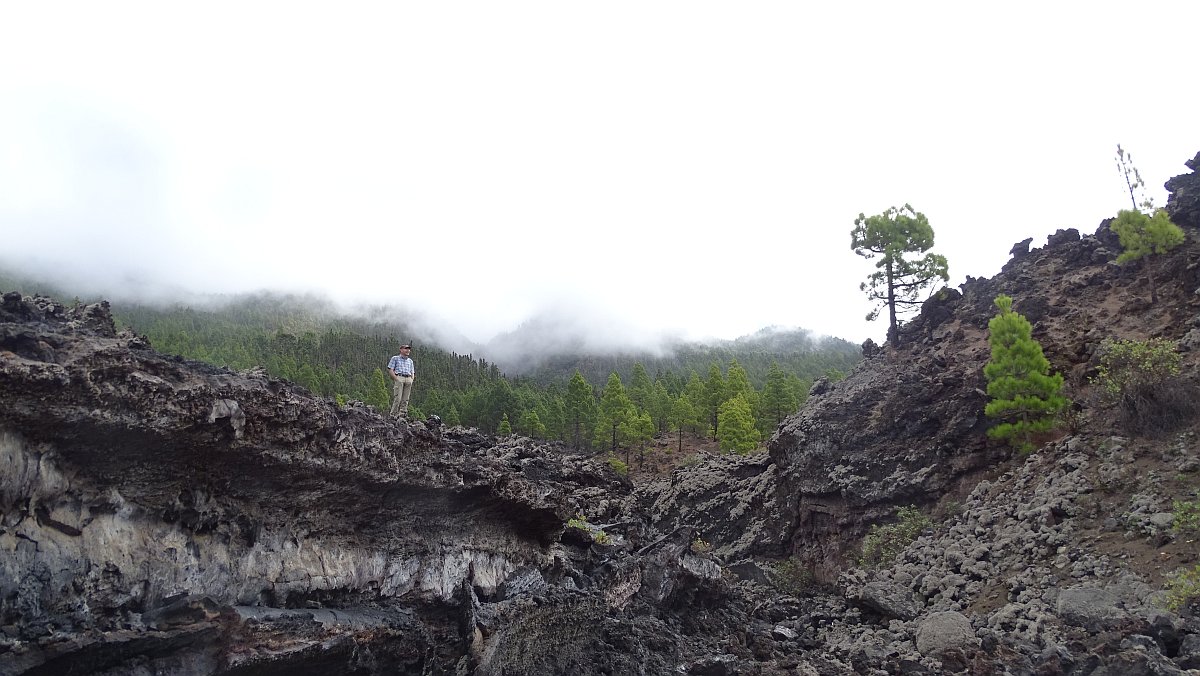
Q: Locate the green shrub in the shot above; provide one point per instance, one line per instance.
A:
(597, 534)
(883, 543)
(618, 465)
(1182, 588)
(791, 577)
(1130, 365)
(1140, 378)
(1187, 517)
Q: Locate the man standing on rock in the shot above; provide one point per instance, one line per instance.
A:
(403, 372)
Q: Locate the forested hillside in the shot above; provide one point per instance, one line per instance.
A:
(735, 392)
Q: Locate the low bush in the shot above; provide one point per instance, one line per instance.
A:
(792, 577)
(1187, 517)
(1141, 380)
(1182, 588)
(883, 543)
(595, 532)
(618, 466)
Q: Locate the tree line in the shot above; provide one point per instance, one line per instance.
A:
(345, 361)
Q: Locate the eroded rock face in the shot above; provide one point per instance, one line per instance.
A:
(729, 500)
(907, 427)
(161, 515)
(228, 521)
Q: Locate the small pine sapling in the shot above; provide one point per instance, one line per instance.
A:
(1025, 397)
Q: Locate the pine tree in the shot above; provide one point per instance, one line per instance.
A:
(504, 429)
(737, 381)
(580, 408)
(670, 380)
(552, 416)
(640, 387)
(694, 390)
(736, 429)
(659, 406)
(640, 430)
(779, 401)
(899, 280)
(799, 388)
(737, 384)
(1143, 235)
(714, 395)
(616, 408)
(683, 415)
(531, 425)
(1025, 397)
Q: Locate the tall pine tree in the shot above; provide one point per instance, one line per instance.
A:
(683, 415)
(778, 399)
(659, 406)
(580, 409)
(737, 384)
(640, 387)
(616, 409)
(531, 425)
(736, 429)
(895, 237)
(714, 395)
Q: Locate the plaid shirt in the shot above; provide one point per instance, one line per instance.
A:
(402, 366)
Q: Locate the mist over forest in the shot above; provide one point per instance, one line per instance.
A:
(556, 333)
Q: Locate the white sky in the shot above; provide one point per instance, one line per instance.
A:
(687, 167)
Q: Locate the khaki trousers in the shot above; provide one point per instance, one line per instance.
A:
(401, 391)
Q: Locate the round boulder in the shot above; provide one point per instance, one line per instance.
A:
(945, 631)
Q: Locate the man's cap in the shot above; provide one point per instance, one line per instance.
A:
(408, 345)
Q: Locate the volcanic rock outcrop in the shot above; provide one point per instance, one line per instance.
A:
(908, 426)
(207, 521)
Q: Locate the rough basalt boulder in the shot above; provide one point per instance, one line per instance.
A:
(728, 500)
(1183, 200)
